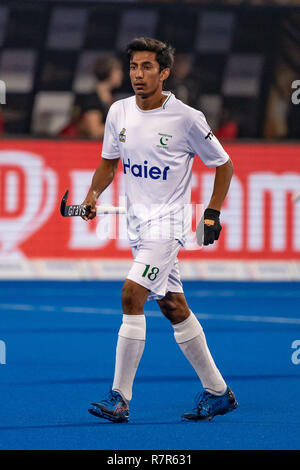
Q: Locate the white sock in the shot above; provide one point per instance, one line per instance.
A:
(130, 347)
(191, 339)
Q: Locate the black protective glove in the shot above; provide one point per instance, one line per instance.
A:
(208, 232)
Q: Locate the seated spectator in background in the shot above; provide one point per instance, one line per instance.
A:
(89, 114)
(228, 127)
(94, 107)
(276, 124)
(182, 82)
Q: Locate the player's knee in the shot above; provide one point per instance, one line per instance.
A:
(174, 307)
(167, 306)
(133, 298)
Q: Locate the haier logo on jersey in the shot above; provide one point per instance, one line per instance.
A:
(144, 171)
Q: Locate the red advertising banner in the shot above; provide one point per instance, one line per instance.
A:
(259, 218)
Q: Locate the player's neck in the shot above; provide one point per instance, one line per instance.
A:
(151, 102)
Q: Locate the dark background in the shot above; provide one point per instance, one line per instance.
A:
(243, 59)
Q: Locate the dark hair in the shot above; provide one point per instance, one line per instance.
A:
(164, 52)
(104, 66)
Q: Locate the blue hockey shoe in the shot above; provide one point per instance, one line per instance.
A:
(208, 405)
(113, 407)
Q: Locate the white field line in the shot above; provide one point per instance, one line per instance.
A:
(21, 307)
(280, 293)
(150, 313)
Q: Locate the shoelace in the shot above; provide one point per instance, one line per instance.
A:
(201, 397)
(111, 398)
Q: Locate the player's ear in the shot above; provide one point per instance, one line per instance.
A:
(164, 74)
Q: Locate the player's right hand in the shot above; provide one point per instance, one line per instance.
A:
(91, 204)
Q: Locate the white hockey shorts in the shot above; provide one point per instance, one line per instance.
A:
(156, 267)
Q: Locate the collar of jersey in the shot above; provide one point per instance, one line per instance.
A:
(155, 110)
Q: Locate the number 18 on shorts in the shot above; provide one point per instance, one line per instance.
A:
(152, 274)
(155, 267)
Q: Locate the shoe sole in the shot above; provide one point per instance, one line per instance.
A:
(210, 417)
(100, 413)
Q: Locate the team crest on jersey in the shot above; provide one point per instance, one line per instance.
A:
(122, 136)
(164, 140)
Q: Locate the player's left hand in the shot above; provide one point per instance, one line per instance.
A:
(212, 227)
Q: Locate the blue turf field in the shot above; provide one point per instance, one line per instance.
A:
(60, 345)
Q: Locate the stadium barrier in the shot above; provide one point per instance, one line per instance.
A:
(261, 221)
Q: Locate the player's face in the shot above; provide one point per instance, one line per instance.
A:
(145, 75)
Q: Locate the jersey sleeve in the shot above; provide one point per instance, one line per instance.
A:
(202, 141)
(110, 148)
